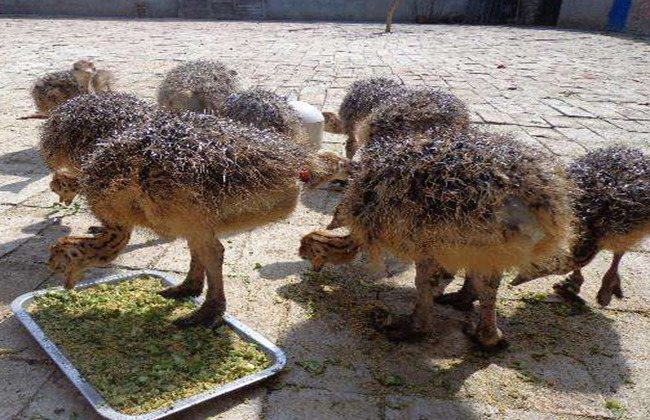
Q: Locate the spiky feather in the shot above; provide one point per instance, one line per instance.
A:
(199, 85)
(612, 195)
(74, 127)
(468, 193)
(264, 109)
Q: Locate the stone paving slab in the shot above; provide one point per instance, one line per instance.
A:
(21, 383)
(299, 404)
(565, 91)
(18, 225)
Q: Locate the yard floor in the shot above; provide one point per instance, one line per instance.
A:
(564, 91)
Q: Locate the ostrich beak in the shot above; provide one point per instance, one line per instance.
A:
(66, 201)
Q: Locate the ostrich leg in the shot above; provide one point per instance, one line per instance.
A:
(210, 255)
(611, 283)
(461, 300)
(487, 334)
(430, 282)
(569, 289)
(192, 286)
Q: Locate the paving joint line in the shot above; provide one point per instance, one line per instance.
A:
(20, 414)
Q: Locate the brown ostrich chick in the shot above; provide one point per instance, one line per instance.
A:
(103, 81)
(73, 129)
(197, 177)
(612, 204)
(267, 110)
(55, 88)
(199, 86)
(400, 111)
(611, 201)
(413, 111)
(468, 200)
(362, 98)
(410, 112)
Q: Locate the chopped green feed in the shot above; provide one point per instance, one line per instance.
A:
(312, 366)
(122, 340)
(615, 408)
(390, 380)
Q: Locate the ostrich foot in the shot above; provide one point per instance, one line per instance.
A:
(208, 315)
(487, 340)
(611, 286)
(461, 300)
(618, 292)
(396, 328)
(566, 290)
(182, 290)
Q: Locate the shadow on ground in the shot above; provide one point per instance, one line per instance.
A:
(37, 231)
(24, 163)
(558, 353)
(392, 267)
(152, 242)
(320, 200)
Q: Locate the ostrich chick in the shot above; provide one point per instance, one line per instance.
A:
(181, 181)
(412, 112)
(474, 201)
(415, 111)
(611, 200)
(362, 98)
(199, 86)
(612, 204)
(55, 88)
(73, 129)
(264, 109)
(267, 110)
(103, 81)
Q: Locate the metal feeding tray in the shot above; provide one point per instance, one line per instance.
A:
(277, 356)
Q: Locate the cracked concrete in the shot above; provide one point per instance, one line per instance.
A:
(566, 91)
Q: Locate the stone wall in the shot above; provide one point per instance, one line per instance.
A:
(639, 18)
(327, 10)
(529, 10)
(339, 10)
(585, 14)
(101, 8)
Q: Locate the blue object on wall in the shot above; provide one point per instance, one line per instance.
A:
(618, 15)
